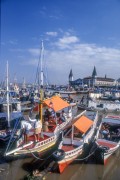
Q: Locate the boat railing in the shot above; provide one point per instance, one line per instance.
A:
(74, 151)
(44, 142)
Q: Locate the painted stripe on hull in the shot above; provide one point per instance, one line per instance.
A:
(66, 161)
(38, 149)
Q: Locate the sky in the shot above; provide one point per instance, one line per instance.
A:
(77, 35)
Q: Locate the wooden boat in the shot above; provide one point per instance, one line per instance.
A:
(49, 135)
(10, 114)
(84, 107)
(107, 106)
(66, 92)
(108, 138)
(79, 134)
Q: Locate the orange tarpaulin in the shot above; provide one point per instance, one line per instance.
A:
(56, 103)
(83, 124)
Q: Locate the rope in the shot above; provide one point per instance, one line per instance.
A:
(12, 135)
(39, 157)
(86, 156)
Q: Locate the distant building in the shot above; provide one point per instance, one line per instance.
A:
(118, 82)
(77, 82)
(95, 81)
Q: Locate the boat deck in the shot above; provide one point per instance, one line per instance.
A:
(68, 147)
(106, 143)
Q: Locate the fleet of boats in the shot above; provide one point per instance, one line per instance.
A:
(75, 134)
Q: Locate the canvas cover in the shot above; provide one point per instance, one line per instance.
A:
(83, 124)
(56, 102)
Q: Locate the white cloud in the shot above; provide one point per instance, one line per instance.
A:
(52, 33)
(68, 52)
(34, 52)
(68, 39)
(67, 42)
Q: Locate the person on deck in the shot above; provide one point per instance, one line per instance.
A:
(26, 127)
(38, 127)
(63, 116)
(70, 113)
(105, 132)
(47, 115)
(52, 111)
(82, 100)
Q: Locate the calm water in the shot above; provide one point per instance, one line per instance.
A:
(17, 170)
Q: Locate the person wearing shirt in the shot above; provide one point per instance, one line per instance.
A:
(47, 115)
(37, 128)
(63, 116)
(26, 127)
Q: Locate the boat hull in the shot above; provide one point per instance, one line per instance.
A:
(102, 154)
(66, 161)
(33, 151)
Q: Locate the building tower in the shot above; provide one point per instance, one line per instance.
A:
(70, 76)
(94, 76)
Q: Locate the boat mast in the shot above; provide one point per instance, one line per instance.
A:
(8, 109)
(41, 65)
(41, 80)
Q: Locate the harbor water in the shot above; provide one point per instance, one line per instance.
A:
(19, 169)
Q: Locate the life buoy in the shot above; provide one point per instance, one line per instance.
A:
(58, 155)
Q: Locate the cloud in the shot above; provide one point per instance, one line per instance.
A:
(52, 33)
(31, 62)
(67, 41)
(68, 52)
(34, 52)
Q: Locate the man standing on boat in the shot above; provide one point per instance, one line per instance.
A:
(26, 127)
(38, 127)
(63, 116)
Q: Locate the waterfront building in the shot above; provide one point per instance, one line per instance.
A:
(94, 81)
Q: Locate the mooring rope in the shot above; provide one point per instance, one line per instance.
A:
(39, 157)
(86, 156)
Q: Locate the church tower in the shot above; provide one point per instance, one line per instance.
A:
(94, 76)
(70, 76)
(94, 73)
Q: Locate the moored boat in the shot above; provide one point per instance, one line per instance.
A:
(49, 135)
(10, 113)
(107, 106)
(78, 136)
(107, 139)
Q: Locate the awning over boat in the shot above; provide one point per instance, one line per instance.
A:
(83, 124)
(56, 103)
